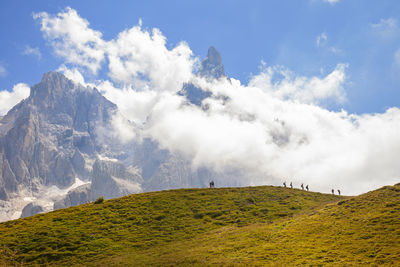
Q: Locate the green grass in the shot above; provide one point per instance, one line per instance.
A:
(224, 226)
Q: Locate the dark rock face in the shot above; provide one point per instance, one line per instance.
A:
(31, 209)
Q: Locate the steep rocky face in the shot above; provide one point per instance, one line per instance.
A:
(53, 137)
(43, 139)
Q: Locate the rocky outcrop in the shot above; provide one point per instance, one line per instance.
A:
(31, 209)
(77, 196)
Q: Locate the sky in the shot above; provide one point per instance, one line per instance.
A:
(310, 37)
(311, 94)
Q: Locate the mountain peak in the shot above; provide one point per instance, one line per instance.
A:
(51, 76)
(53, 85)
(211, 66)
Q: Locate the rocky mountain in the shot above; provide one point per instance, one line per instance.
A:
(53, 138)
(57, 149)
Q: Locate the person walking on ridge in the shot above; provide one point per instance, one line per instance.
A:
(307, 187)
(302, 187)
(291, 185)
(284, 184)
(338, 191)
(333, 191)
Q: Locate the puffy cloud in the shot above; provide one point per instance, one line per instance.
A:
(135, 57)
(3, 71)
(302, 89)
(274, 128)
(34, 51)
(8, 99)
(72, 38)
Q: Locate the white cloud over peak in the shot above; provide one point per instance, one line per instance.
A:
(8, 99)
(34, 51)
(274, 128)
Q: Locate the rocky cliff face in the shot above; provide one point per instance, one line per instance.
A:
(54, 137)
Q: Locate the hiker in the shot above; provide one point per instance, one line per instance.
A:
(291, 185)
(212, 184)
(338, 191)
(333, 191)
(284, 184)
(302, 187)
(307, 187)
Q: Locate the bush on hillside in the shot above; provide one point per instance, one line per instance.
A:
(99, 200)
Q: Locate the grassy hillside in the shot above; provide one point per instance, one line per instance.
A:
(224, 226)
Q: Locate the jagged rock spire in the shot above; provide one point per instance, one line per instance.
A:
(211, 66)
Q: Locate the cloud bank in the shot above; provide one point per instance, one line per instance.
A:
(275, 128)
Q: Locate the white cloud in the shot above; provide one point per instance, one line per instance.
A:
(272, 129)
(8, 99)
(302, 89)
(3, 71)
(34, 51)
(135, 56)
(72, 38)
(321, 39)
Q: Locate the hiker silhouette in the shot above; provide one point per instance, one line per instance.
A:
(302, 187)
(333, 191)
(307, 187)
(338, 191)
(291, 185)
(212, 184)
(284, 184)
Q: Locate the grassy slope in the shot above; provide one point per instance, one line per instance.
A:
(138, 223)
(249, 226)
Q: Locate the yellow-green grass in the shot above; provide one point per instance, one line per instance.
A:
(225, 226)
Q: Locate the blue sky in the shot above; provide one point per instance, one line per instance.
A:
(363, 34)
